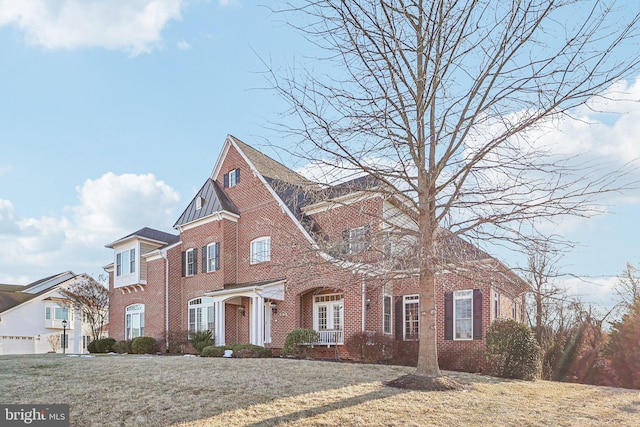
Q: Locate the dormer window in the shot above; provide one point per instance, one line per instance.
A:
(231, 178)
(199, 203)
(126, 262)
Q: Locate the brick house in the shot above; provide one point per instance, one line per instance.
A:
(261, 251)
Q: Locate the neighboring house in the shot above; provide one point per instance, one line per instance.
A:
(262, 251)
(30, 314)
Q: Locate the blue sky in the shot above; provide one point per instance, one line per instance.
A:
(111, 117)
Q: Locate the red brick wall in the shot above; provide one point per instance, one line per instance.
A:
(306, 273)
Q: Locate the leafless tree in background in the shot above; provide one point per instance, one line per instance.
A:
(92, 298)
(445, 104)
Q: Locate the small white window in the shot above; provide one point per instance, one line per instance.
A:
(213, 256)
(496, 305)
(386, 314)
(126, 262)
(463, 315)
(260, 250)
(411, 309)
(357, 240)
(199, 203)
(190, 262)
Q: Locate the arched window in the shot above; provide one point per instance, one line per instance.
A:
(134, 321)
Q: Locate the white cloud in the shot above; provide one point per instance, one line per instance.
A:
(134, 26)
(228, 3)
(108, 208)
(183, 45)
(598, 292)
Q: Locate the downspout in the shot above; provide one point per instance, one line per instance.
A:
(163, 254)
(364, 303)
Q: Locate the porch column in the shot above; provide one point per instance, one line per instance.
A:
(218, 326)
(257, 320)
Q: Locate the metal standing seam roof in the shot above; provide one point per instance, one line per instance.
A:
(214, 200)
(151, 234)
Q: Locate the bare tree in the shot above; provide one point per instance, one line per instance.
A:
(547, 299)
(443, 103)
(628, 287)
(92, 298)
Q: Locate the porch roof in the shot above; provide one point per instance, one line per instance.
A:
(273, 289)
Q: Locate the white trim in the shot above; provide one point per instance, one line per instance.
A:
(410, 299)
(386, 295)
(266, 254)
(351, 198)
(193, 260)
(455, 299)
(124, 240)
(157, 253)
(216, 216)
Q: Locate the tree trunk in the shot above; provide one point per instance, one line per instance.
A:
(428, 346)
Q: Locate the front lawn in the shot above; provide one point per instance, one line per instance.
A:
(116, 390)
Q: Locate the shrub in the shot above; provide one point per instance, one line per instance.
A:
(249, 351)
(512, 350)
(103, 345)
(239, 351)
(122, 347)
(177, 340)
(144, 345)
(212, 351)
(201, 339)
(296, 342)
(370, 347)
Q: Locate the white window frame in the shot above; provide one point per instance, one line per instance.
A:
(212, 259)
(190, 264)
(387, 318)
(411, 317)
(132, 312)
(199, 202)
(200, 315)
(260, 250)
(496, 304)
(458, 298)
(233, 178)
(334, 304)
(126, 262)
(357, 240)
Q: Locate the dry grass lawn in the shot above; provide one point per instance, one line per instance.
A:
(112, 390)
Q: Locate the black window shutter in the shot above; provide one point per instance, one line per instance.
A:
(225, 180)
(477, 314)
(184, 263)
(217, 252)
(195, 261)
(399, 323)
(237, 176)
(204, 259)
(448, 315)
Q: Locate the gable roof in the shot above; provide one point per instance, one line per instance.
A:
(14, 295)
(214, 200)
(149, 234)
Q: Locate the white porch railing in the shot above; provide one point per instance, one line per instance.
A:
(331, 337)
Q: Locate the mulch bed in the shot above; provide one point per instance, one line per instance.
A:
(426, 383)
